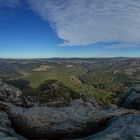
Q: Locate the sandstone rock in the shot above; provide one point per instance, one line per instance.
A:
(126, 127)
(75, 121)
(10, 94)
(93, 101)
(132, 99)
(137, 88)
(13, 95)
(6, 132)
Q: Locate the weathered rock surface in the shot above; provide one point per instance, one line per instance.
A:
(126, 127)
(10, 94)
(6, 132)
(132, 99)
(13, 95)
(75, 121)
(93, 101)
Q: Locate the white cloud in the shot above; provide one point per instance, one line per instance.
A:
(84, 22)
(10, 3)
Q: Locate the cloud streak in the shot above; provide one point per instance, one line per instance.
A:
(85, 22)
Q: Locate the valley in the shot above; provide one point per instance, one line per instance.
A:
(104, 78)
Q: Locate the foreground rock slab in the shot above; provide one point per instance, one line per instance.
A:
(6, 132)
(75, 121)
(132, 99)
(126, 127)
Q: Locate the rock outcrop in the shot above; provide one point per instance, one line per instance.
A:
(75, 121)
(72, 119)
(6, 132)
(10, 94)
(132, 99)
(126, 127)
(13, 95)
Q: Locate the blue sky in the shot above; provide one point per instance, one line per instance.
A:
(76, 28)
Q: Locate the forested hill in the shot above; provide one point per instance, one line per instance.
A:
(103, 78)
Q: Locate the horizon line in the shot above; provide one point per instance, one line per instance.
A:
(22, 58)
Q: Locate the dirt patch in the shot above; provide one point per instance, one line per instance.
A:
(69, 66)
(42, 68)
(75, 79)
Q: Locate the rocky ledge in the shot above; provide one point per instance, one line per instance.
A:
(77, 120)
